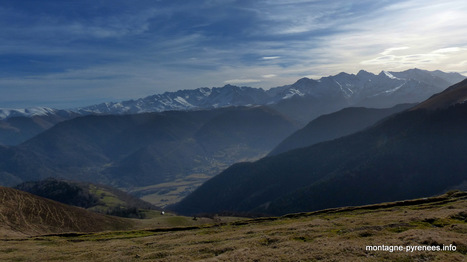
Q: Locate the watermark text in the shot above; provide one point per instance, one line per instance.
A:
(411, 249)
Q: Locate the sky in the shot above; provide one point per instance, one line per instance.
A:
(70, 53)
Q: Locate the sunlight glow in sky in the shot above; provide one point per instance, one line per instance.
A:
(66, 53)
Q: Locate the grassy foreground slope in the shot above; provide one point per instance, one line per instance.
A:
(340, 234)
(93, 197)
(23, 214)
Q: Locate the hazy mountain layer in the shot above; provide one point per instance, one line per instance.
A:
(338, 124)
(145, 149)
(416, 153)
(15, 130)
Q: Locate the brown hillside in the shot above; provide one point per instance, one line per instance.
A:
(23, 214)
(451, 96)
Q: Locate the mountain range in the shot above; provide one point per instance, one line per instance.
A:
(132, 150)
(416, 153)
(302, 101)
(129, 151)
(363, 89)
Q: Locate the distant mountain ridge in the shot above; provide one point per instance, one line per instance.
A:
(30, 112)
(302, 101)
(363, 89)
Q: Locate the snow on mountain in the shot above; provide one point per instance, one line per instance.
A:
(363, 89)
(185, 100)
(292, 92)
(27, 112)
(389, 75)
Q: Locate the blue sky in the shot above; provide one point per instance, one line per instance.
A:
(65, 53)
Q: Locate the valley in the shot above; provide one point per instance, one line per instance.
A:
(169, 193)
(136, 151)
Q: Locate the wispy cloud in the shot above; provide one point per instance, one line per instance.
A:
(82, 50)
(270, 57)
(241, 81)
(269, 76)
(436, 57)
(392, 49)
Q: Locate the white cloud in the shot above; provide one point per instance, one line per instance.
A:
(424, 34)
(269, 76)
(392, 49)
(270, 57)
(449, 50)
(448, 58)
(241, 81)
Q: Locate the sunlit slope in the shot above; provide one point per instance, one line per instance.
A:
(22, 213)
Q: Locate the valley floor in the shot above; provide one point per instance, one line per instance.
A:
(331, 235)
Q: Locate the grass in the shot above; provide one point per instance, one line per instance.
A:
(108, 199)
(330, 235)
(164, 194)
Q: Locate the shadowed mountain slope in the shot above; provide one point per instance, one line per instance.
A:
(145, 149)
(338, 124)
(416, 153)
